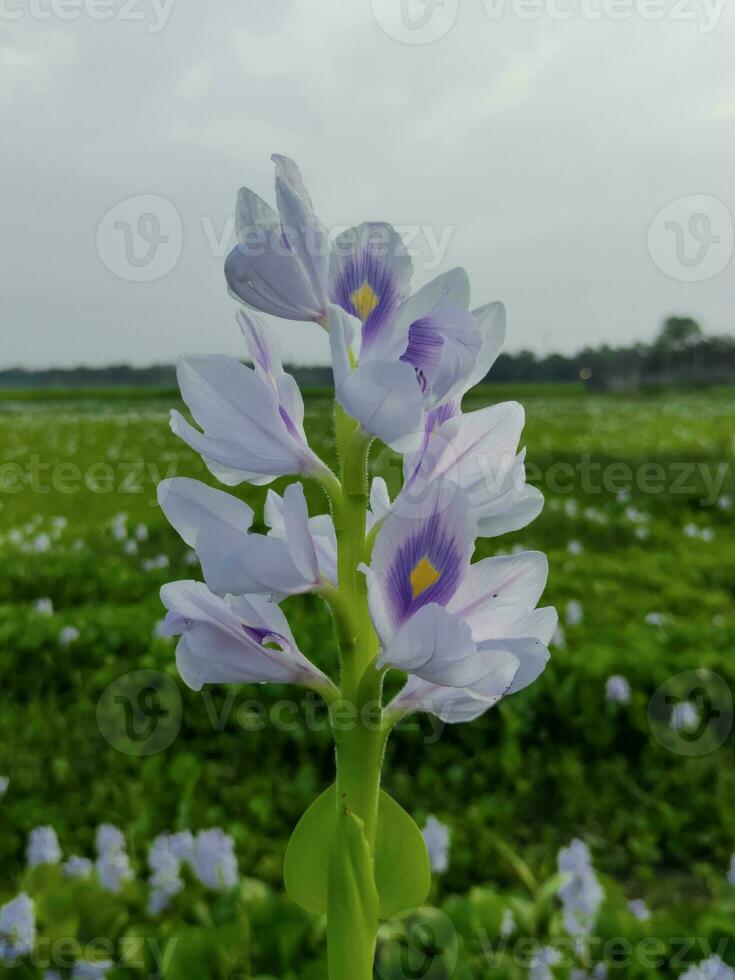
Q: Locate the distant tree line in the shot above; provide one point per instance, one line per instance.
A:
(680, 354)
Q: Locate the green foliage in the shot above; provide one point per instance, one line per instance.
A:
(555, 761)
(402, 871)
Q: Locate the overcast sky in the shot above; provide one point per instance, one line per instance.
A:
(534, 152)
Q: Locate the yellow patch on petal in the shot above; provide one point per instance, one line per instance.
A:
(423, 575)
(364, 299)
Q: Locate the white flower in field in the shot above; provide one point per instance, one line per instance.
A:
(190, 558)
(685, 717)
(213, 859)
(59, 523)
(570, 508)
(508, 924)
(41, 544)
(639, 910)
(575, 548)
(112, 864)
(724, 501)
(68, 635)
(541, 963)
(141, 532)
(165, 880)
(119, 532)
(108, 838)
(437, 837)
(77, 867)
(707, 534)
(581, 893)
(4, 783)
(559, 639)
(617, 689)
(642, 533)
(44, 607)
(731, 871)
(17, 928)
(573, 613)
(655, 619)
(131, 548)
(43, 847)
(710, 969)
(156, 564)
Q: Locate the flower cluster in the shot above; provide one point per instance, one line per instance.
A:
(580, 892)
(466, 634)
(210, 855)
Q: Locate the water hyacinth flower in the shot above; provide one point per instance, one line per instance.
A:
(113, 864)
(397, 575)
(17, 928)
(684, 717)
(68, 635)
(438, 838)
(213, 860)
(43, 847)
(710, 969)
(581, 894)
(542, 961)
(238, 639)
(639, 910)
(252, 419)
(165, 881)
(44, 607)
(617, 689)
(77, 867)
(573, 612)
(280, 264)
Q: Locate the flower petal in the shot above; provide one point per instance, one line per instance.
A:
(497, 592)
(436, 646)
(217, 526)
(245, 431)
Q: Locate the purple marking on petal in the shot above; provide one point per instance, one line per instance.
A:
(288, 422)
(433, 543)
(369, 273)
(424, 351)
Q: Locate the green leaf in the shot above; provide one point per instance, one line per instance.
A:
(402, 869)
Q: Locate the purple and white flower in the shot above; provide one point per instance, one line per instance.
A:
(438, 838)
(17, 928)
(234, 640)
(299, 555)
(617, 689)
(43, 847)
(581, 894)
(214, 861)
(280, 263)
(252, 419)
(468, 635)
(710, 969)
(113, 864)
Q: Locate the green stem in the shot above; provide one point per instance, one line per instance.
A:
(357, 720)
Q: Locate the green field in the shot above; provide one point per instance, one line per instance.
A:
(638, 528)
